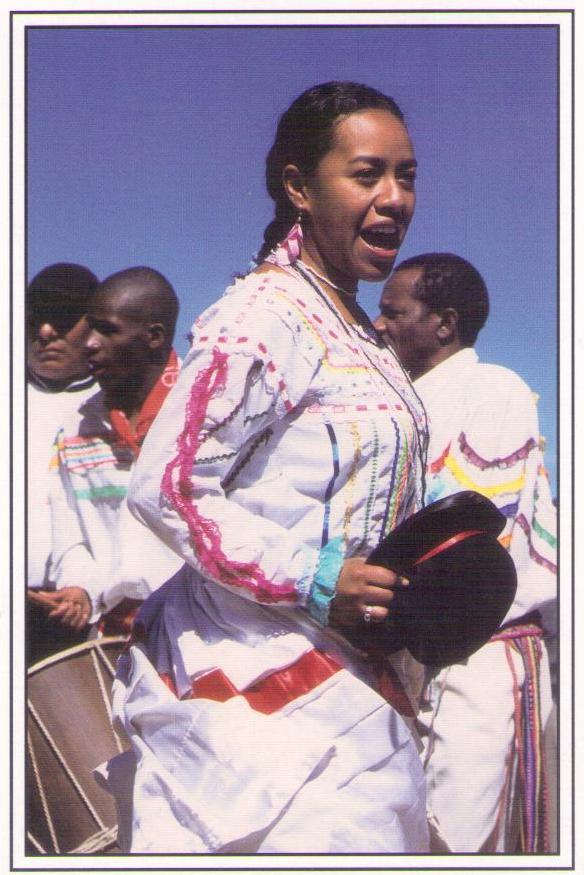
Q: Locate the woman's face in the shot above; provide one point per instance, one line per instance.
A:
(360, 199)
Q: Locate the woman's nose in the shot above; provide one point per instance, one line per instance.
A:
(391, 195)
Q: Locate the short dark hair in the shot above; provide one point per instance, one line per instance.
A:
(155, 298)
(61, 291)
(304, 136)
(448, 280)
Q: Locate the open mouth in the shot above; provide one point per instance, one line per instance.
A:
(384, 238)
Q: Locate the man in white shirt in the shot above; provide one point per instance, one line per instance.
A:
(482, 718)
(58, 381)
(103, 562)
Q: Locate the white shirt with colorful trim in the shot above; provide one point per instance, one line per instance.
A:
(96, 543)
(47, 410)
(484, 435)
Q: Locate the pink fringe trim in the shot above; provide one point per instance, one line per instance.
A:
(178, 487)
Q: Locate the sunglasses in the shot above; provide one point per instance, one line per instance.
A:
(60, 319)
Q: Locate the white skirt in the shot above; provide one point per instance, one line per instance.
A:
(333, 770)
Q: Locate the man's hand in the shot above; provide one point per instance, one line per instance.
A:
(71, 605)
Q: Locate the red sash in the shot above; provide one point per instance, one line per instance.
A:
(271, 693)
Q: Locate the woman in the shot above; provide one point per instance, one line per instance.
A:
(292, 443)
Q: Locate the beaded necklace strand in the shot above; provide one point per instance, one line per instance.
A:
(348, 292)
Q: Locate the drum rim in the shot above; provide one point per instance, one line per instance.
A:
(61, 655)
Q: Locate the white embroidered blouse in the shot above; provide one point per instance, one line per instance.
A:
(291, 441)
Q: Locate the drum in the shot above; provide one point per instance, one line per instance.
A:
(69, 734)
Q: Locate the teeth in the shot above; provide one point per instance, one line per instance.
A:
(382, 236)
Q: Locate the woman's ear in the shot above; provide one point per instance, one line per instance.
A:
(447, 330)
(294, 185)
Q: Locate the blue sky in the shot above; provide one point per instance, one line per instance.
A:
(147, 146)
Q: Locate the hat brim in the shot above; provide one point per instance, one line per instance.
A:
(462, 582)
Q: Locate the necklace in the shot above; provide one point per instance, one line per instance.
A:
(323, 279)
(365, 322)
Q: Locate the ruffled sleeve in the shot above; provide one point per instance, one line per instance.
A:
(234, 385)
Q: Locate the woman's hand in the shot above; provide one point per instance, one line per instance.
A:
(364, 594)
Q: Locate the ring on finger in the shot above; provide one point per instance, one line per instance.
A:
(367, 609)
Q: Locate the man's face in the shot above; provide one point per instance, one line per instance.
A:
(117, 346)
(407, 323)
(55, 346)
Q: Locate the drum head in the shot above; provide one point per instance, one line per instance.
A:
(69, 734)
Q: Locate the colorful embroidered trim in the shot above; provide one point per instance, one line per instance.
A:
(399, 480)
(446, 460)
(349, 489)
(79, 453)
(330, 561)
(399, 383)
(488, 491)
(525, 640)
(331, 484)
(101, 492)
(509, 510)
(372, 482)
(262, 438)
(437, 465)
(544, 534)
(387, 521)
(537, 557)
(178, 488)
(501, 462)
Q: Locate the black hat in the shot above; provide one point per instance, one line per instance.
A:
(61, 293)
(462, 581)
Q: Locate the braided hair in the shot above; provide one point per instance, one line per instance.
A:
(304, 136)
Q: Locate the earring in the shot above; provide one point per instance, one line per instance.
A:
(288, 249)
